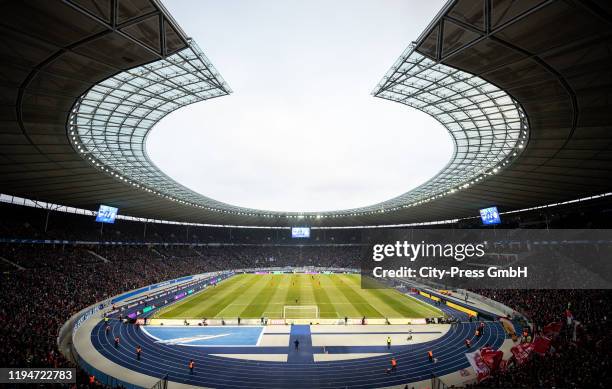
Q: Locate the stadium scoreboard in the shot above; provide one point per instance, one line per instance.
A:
(490, 216)
(106, 214)
(300, 232)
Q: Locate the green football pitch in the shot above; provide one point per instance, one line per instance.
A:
(335, 295)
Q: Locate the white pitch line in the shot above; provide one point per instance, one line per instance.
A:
(191, 339)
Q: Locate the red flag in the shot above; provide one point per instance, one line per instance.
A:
(552, 329)
(541, 344)
(522, 352)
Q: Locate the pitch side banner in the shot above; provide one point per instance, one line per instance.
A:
(488, 258)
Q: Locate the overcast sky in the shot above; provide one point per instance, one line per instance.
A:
(301, 131)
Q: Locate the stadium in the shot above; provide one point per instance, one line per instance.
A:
(492, 272)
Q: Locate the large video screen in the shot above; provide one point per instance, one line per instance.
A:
(300, 232)
(490, 216)
(106, 214)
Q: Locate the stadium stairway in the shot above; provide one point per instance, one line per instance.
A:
(305, 351)
(10, 263)
(96, 255)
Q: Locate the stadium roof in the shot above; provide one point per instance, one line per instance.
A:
(523, 88)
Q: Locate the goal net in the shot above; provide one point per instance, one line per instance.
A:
(300, 312)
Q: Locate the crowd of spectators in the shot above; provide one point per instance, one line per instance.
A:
(43, 285)
(590, 307)
(21, 222)
(579, 357)
(39, 256)
(281, 256)
(59, 280)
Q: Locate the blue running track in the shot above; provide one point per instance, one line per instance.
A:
(300, 371)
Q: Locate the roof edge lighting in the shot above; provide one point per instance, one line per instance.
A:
(108, 126)
(489, 128)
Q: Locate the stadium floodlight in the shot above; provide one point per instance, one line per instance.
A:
(300, 312)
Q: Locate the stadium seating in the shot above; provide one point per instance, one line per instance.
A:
(60, 279)
(576, 360)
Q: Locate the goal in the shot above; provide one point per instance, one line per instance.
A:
(300, 312)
